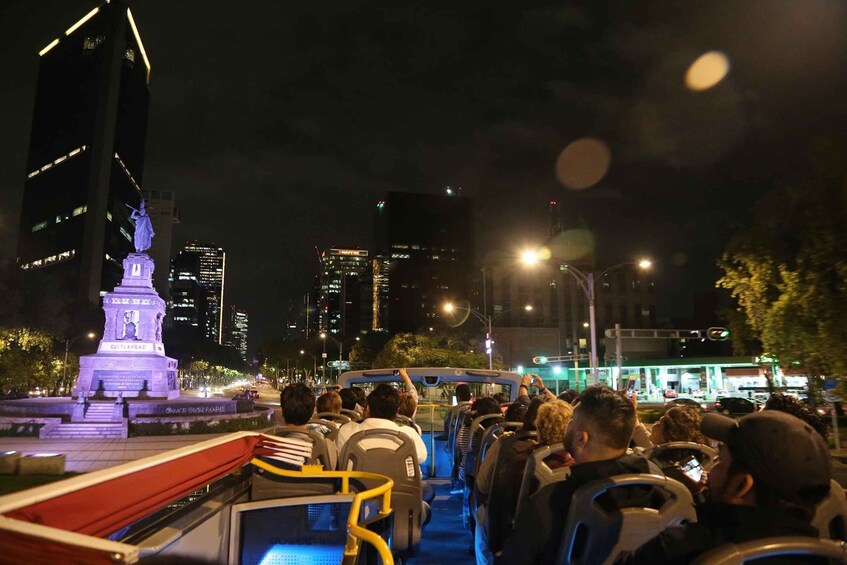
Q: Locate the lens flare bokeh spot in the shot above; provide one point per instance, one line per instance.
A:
(707, 71)
(583, 163)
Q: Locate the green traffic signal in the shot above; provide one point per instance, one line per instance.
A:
(717, 334)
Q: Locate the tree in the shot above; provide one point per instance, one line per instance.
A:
(788, 270)
(365, 350)
(430, 350)
(27, 360)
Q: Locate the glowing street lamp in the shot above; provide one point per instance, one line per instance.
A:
(586, 284)
(449, 308)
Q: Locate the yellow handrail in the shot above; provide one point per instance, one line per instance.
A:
(354, 530)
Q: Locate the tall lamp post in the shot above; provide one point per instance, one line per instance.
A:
(487, 321)
(68, 342)
(314, 360)
(340, 345)
(586, 284)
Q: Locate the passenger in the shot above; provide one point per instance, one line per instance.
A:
(532, 413)
(679, 423)
(772, 471)
(569, 396)
(481, 407)
(597, 438)
(535, 380)
(297, 402)
(463, 398)
(792, 405)
(501, 398)
(552, 420)
(348, 399)
(383, 404)
(329, 401)
(408, 408)
(361, 400)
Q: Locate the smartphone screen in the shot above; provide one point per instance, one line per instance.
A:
(630, 386)
(691, 468)
(396, 372)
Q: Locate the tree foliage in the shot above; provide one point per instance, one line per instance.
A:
(788, 270)
(27, 359)
(430, 350)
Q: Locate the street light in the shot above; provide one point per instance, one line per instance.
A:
(68, 342)
(586, 283)
(449, 308)
(339, 344)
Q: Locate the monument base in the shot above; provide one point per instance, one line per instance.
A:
(138, 376)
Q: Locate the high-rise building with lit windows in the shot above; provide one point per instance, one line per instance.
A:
(235, 330)
(344, 304)
(163, 212)
(424, 248)
(86, 152)
(197, 277)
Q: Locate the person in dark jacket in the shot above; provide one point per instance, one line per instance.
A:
(597, 438)
(772, 470)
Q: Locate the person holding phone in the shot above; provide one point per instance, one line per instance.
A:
(771, 472)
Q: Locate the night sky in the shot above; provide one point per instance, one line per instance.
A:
(280, 124)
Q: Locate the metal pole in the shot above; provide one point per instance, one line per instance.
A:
(593, 328)
(490, 349)
(618, 348)
(340, 359)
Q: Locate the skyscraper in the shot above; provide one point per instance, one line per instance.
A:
(161, 207)
(424, 246)
(345, 293)
(197, 284)
(86, 152)
(235, 334)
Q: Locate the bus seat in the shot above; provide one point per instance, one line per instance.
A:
(477, 430)
(457, 418)
(505, 484)
(492, 434)
(340, 419)
(391, 453)
(352, 414)
(330, 425)
(603, 533)
(831, 514)
(675, 451)
(737, 554)
(538, 474)
(324, 453)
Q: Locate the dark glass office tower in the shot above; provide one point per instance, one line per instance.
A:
(86, 152)
(424, 246)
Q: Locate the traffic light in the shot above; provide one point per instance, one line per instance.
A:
(717, 334)
(540, 360)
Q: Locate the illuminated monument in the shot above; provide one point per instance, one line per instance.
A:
(131, 360)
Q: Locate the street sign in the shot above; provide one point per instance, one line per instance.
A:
(345, 365)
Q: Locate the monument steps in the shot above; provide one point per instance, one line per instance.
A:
(87, 431)
(99, 412)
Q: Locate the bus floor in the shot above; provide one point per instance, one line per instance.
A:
(445, 539)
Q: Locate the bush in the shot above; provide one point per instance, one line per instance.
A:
(28, 429)
(197, 427)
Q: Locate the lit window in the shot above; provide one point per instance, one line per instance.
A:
(39, 226)
(108, 215)
(80, 210)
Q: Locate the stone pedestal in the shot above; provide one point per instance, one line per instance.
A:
(131, 360)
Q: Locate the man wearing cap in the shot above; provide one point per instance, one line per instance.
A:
(772, 470)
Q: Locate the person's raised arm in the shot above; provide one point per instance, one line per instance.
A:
(539, 384)
(523, 389)
(410, 388)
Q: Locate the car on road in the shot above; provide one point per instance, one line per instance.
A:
(687, 403)
(670, 393)
(734, 406)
